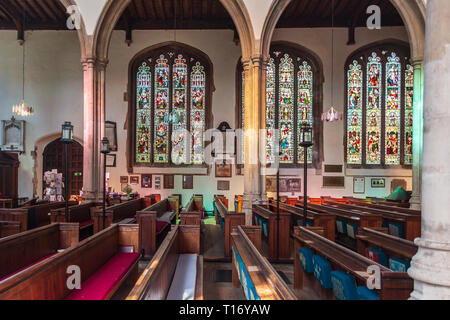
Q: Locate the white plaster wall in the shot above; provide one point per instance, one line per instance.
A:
(54, 88)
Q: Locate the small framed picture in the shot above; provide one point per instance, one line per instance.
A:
(158, 182)
(111, 160)
(146, 180)
(134, 179)
(224, 169)
(169, 181)
(378, 182)
(111, 134)
(188, 182)
(223, 185)
(359, 185)
(124, 179)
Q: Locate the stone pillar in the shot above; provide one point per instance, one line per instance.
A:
(416, 199)
(94, 127)
(430, 267)
(254, 73)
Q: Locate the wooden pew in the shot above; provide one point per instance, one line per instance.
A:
(162, 277)
(358, 202)
(411, 222)
(154, 224)
(315, 219)
(227, 220)
(8, 228)
(254, 272)
(193, 213)
(152, 199)
(104, 258)
(119, 213)
(23, 250)
(31, 217)
(264, 213)
(390, 245)
(81, 214)
(394, 285)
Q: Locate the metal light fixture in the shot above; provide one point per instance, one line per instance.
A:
(307, 141)
(22, 109)
(105, 149)
(67, 132)
(66, 138)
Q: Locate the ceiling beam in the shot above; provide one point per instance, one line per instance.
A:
(12, 14)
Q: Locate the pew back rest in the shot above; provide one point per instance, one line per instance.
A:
(20, 250)
(47, 280)
(125, 210)
(8, 228)
(20, 215)
(79, 213)
(155, 281)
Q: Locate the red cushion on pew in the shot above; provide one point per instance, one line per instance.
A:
(26, 267)
(160, 225)
(86, 223)
(100, 284)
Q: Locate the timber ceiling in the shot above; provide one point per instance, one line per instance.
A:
(194, 14)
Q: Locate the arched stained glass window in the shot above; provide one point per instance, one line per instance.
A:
(172, 89)
(293, 85)
(382, 122)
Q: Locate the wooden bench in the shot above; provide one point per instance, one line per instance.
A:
(347, 221)
(124, 213)
(262, 215)
(392, 247)
(176, 268)
(313, 218)
(410, 223)
(21, 251)
(154, 224)
(31, 217)
(106, 260)
(193, 213)
(6, 203)
(227, 220)
(81, 214)
(394, 285)
(252, 271)
(8, 228)
(359, 202)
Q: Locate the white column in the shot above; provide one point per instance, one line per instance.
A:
(94, 127)
(254, 72)
(430, 267)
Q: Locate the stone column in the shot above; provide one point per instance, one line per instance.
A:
(430, 267)
(416, 199)
(94, 127)
(254, 73)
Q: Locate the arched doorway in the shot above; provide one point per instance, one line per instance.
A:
(54, 158)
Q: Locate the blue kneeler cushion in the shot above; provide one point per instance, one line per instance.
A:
(365, 293)
(399, 265)
(396, 229)
(322, 271)
(305, 256)
(344, 287)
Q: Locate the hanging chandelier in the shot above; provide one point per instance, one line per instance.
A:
(23, 109)
(332, 115)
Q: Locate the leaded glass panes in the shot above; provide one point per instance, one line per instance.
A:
(286, 109)
(198, 100)
(382, 122)
(179, 112)
(161, 154)
(143, 113)
(170, 108)
(409, 93)
(270, 110)
(304, 105)
(354, 113)
(392, 109)
(373, 110)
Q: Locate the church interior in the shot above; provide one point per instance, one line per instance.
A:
(224, 150)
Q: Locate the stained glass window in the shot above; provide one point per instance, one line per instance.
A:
(383, 120)
(409, 93)
(305, 103)
(270, 110)
(171, 104)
